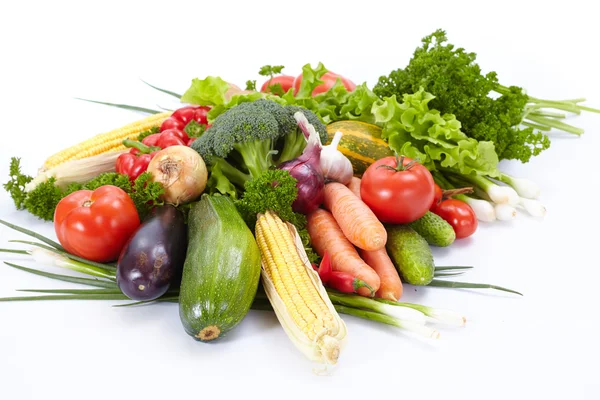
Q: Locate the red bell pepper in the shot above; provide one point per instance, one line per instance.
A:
(134, 164)
(180, 117)
(172, 137)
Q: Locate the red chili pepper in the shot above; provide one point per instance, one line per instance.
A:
(325, 268)
(133, 164)
(347, 283)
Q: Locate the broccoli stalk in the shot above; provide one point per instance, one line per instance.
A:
(257, 155)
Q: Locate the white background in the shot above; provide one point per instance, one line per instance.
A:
(543, 345)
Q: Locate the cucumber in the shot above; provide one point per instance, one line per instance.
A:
(411, 254)
(221, 270)
(434, 229)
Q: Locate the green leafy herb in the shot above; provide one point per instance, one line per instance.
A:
(194, 129)
(251, 85)
(145, 194)
(43, 199)
(274, 190)
(270, 70)
(16, 185)
(460, 88)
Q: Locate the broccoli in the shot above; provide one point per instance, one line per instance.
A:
(274, 190)
(252, 137)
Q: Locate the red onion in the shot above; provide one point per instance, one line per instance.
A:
(307, 170)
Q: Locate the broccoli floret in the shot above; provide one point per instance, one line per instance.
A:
(252, 137)
(249, 132)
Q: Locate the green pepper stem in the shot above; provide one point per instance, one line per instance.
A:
(144, 149)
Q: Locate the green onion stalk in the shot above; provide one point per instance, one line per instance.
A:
(408, 316)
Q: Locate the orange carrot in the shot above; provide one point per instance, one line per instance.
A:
(359, 224)
(391, 285)
(354, 186)
(325, 234)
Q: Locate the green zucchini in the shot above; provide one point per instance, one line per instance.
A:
(221, 270)
(434, 229)
(411, 254)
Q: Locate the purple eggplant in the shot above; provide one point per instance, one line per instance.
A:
(152, 260)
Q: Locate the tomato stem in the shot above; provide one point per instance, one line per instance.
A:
(400, 164)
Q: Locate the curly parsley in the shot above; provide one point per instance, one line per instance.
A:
(460, 88)
(43, 199)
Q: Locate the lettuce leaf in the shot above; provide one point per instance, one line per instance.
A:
(415, 131)
(209, 91)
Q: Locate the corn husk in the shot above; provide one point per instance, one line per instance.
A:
(77, 171)
(326, 347)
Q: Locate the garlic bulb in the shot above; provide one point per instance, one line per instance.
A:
(336, 166)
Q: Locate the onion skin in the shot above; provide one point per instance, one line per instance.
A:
(311, 183)
(181, 171)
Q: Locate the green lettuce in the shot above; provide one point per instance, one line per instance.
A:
(413, 130)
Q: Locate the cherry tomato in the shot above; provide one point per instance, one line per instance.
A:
(329, 79)
(172, 123)
(286, 82)
(437, 196)
(96, 224)
(458, 214)
(397, 195)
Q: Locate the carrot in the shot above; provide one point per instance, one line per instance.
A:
(391, 285)
(354, 186)
(325, 234)
(359, 224)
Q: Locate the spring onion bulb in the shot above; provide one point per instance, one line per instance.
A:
(484, 210)
(505, 212)
(47, 257)
(524, 187)
(533, 207)
(498, 194)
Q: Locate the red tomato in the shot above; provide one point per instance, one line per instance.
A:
(458, 214)
(397, 195)
(286, 82)
(96, 224)
(437, 197)
(329, 79)
(172, 123)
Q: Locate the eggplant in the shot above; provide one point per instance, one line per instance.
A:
(152, 259)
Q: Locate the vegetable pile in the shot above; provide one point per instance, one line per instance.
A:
(311, 198)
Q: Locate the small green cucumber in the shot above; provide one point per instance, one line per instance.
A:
(411, 254)
(434, 229)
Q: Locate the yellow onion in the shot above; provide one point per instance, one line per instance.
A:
(181, 171)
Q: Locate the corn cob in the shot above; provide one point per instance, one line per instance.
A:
(296, 292)
(105, 142)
